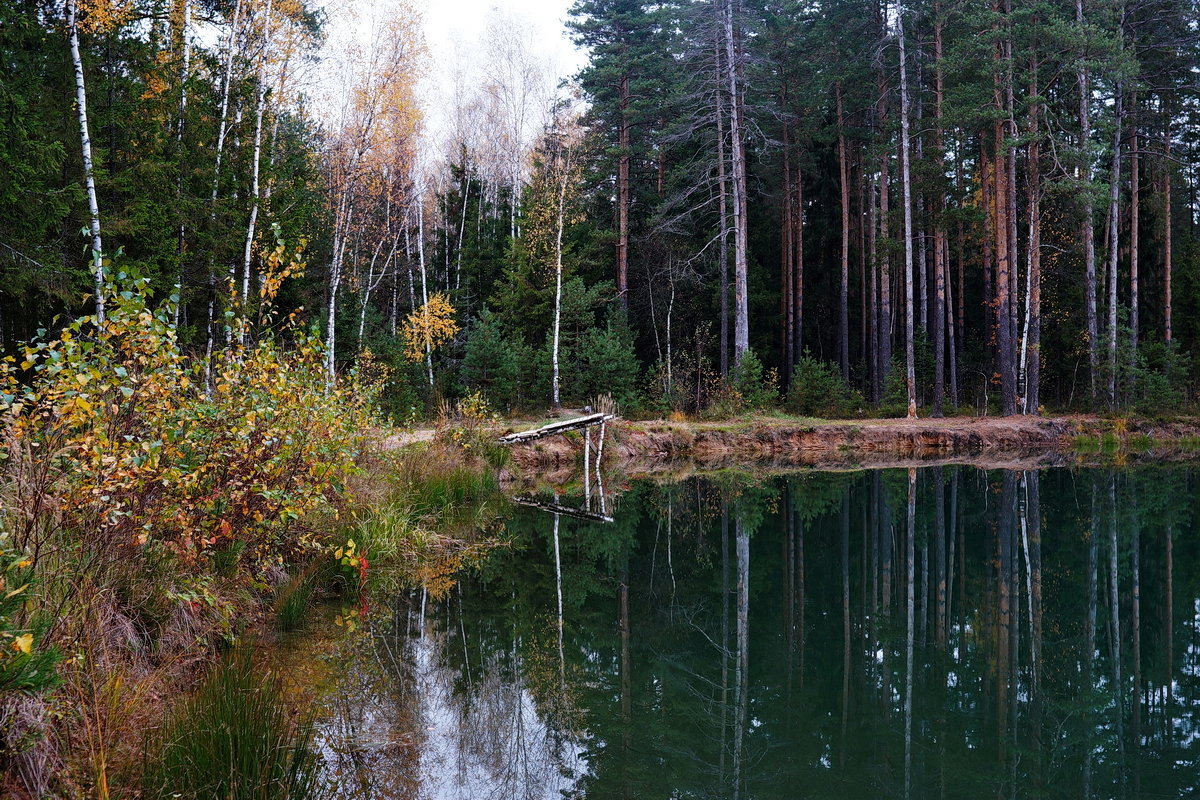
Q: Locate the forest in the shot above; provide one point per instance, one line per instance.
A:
(940, 205)
(276, 274)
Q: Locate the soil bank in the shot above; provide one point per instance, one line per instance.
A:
(1020, 441)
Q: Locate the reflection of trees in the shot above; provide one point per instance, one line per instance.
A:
(948, 632)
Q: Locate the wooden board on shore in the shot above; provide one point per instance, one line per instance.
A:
(553, 428)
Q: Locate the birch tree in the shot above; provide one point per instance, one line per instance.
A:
(89, 167)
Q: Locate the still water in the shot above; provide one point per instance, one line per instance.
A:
(940, 632)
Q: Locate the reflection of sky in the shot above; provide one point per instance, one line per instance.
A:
(401, 724)
(505, 749)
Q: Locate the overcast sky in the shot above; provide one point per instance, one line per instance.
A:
(454, 32)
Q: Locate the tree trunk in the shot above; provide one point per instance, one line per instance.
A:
(872, 351)
(182, 11)
(906, 181)
(424, 283)
(1031, 340)
(1088, 225)
(951, 325)
(1000, 234)
(341, 228)
(259, 107)
(844, 295)
(623, 193)
(558, 274)
(222, 132)
(1114, 194)
(89, 167)
(798, 262)
(787, 268)
(939, 232)
(1134, 197)
(741, 321)
(885, 276)
(1166, 194)
(722, 188)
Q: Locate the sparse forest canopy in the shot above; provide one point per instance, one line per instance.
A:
(941, 204)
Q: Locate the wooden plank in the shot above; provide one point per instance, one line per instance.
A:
(566, 511)
(555, 428)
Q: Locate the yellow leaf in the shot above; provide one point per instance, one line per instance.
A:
(24, 643)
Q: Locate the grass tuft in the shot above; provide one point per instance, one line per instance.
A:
(234, 740)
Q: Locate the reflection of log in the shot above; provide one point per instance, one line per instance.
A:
(566, 511)
(555, 428)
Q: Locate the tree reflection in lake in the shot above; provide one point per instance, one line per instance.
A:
(936, 632)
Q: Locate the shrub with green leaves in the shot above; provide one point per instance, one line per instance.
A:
(817, 389)
(757, 387)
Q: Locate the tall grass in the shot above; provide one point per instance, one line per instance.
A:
(295, 597)
(426, 514)
(234, 740)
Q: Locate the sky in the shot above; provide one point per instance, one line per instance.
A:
(454, 31)
(456, 38)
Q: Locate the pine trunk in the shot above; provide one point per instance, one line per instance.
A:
(1166, 194)
(623, 194)
(906, 184)
(723, 193)
(844, 295)
(1134, 197)
(939, 232)
(1031, 340)
(741, 320)
(1114, 194)
(1083, 79)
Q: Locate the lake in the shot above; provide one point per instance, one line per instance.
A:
(936, 632)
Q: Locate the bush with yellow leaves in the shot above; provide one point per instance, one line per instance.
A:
(127, 443)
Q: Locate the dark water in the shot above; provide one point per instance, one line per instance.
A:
(945, 632)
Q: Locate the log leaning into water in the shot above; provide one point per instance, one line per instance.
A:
(553, 428)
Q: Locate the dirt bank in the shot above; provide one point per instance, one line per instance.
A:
(639, 447)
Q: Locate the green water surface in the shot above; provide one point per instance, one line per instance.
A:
(945, 632)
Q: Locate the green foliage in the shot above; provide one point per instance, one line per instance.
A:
(295, 598)
(234, 739)
(1159, 378)
(490, 363)
(817, 390)
(26, 664)
(608, 364)
(757, 388)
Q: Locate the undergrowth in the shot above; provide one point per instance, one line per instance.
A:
(148, 499)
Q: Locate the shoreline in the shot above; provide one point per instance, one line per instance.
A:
(771, 441)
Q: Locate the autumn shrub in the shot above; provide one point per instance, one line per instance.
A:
(138, 444)
(147, 492)
(747, 387)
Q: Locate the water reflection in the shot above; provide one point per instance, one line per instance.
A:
(943, 631)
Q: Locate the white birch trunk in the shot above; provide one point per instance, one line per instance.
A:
(260, 105)
(89, 166)
(424, 283)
